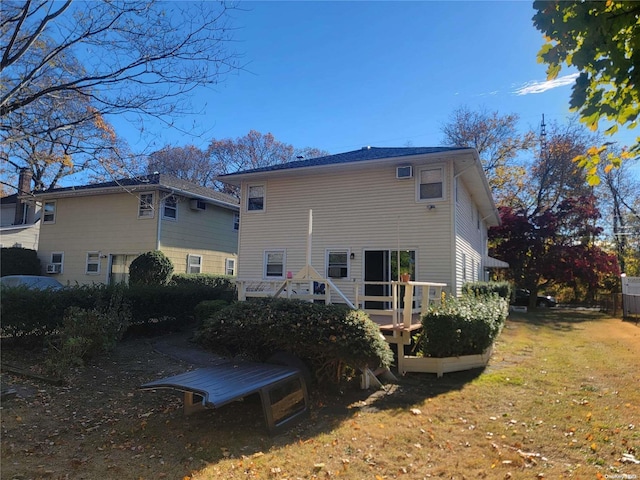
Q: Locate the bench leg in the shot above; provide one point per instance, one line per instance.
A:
(189, 406)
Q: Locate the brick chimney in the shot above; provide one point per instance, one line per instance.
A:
(24, 187)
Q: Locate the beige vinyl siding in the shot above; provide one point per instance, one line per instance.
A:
(24, 237)
(357, 209)
(208, 233)
(104, 223)
(469, 239)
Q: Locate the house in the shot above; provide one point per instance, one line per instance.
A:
(19, 219)
(376, 213)
(92, 233)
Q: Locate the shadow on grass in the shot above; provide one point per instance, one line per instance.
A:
(562, 319)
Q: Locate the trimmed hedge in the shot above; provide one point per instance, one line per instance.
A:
(222, 286)
(481, 289)
(150, 268)
(39, 313)
(462, 326)
(333, 340)
(19, 261)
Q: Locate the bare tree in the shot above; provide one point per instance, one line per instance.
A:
(106, 58)
(498, 142)
(618, 195)
(187, 163)
(553, 175)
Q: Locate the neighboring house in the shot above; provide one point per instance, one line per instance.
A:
(19, 218)
(92, 233)
(425, 209)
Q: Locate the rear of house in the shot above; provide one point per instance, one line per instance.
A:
(376, 213)
(91, 234)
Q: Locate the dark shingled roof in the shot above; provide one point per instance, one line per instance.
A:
(167, 182)
(364, 154)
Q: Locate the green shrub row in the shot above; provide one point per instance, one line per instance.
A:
(19, 261)
(481, 289)
(40, 313)
(332, 340)
(462, 326)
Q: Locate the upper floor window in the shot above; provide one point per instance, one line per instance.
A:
(49, 212)
(170, 208)
(145, 208)
(255, 197)
(431, 185)
(236, 221)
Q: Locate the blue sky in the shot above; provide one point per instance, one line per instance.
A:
(342, 75)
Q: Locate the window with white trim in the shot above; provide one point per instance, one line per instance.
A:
(431, 183)
(255, 197)
(145, 207)
(49, 212)
(236, 221)
(57, 258)
(194, 263)
(93, 263)
(230, 266)
(337, 263)
(274, 264)
(170, 208)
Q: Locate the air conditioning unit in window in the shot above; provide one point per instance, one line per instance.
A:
(54, 268)
(405, 171)
(196, 204)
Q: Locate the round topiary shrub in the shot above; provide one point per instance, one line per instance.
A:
(150, 268)
(333, 340)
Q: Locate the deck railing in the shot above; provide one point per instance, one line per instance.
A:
(402, 304)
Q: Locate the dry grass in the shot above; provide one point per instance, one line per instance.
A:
(560, 399)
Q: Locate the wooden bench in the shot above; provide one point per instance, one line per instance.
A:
(282, 390)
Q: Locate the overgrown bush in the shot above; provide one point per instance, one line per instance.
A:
(332, 340)
(19, 261)
(150, 268)
(461, 326)
(481, 289)
(86, 333)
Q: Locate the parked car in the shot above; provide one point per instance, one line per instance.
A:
(522, 295)
(34, 282)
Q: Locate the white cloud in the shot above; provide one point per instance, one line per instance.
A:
(541, 87)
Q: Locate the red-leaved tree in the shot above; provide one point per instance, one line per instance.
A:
(555, 246)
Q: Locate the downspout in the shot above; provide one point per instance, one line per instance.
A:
(159, 229)
(454, 228)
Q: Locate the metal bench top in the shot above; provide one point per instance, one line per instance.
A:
(225, 383)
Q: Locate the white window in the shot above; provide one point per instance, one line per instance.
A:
(57, 262)
(145, 208)
(255, 198)
(170, 208)
(49, 212)
(93, 263)
(194, 263)
(338, 264)
(274, 263)
(236, 221)
(431, 186)
(230, 266)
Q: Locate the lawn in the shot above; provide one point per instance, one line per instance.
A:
(559, 399)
